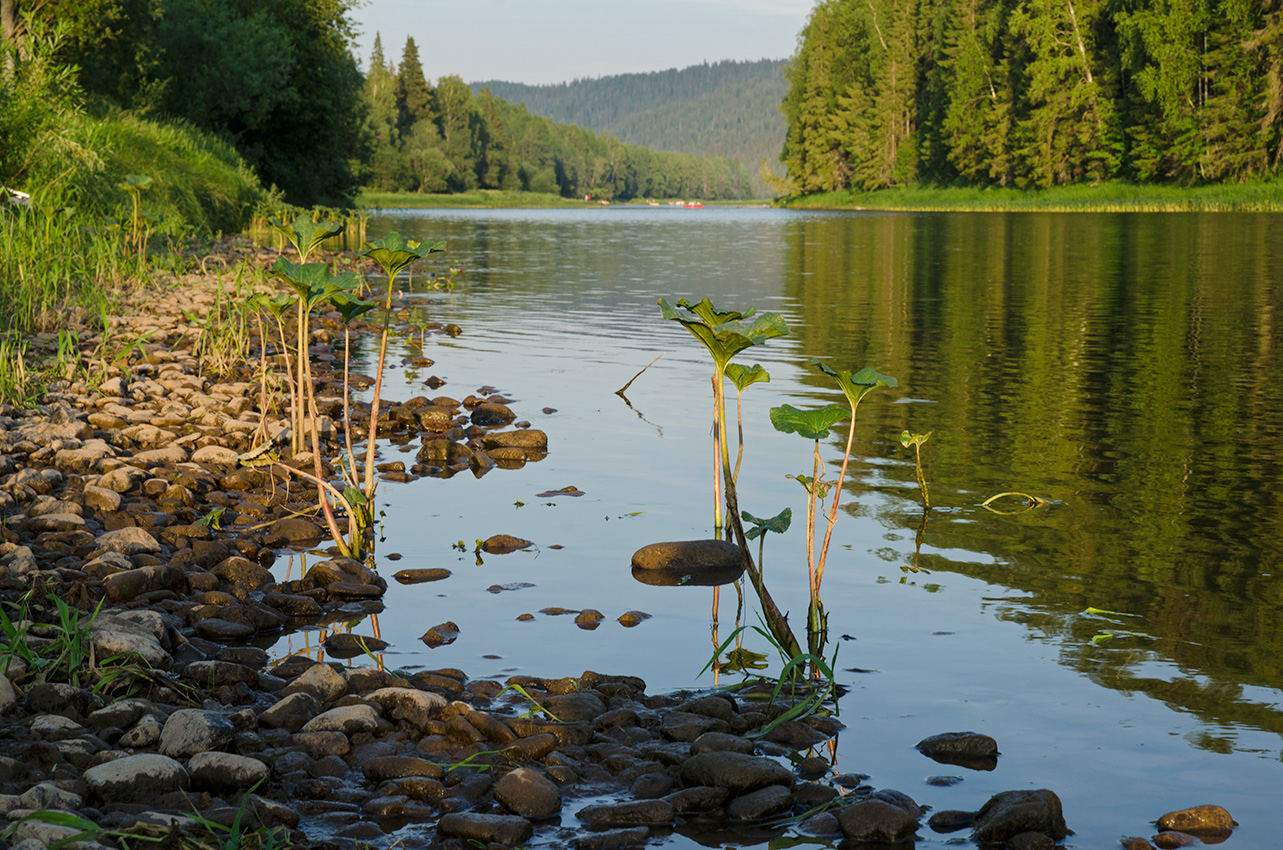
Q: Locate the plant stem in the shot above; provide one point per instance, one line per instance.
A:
(837, 497)
(378, 389)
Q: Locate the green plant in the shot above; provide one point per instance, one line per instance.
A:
(725, 334)
(916, 440)
(394, 255)
(52, 652)
(135, 185)
(813, 425)
(537, 709)
(808, 694)
(779, 524)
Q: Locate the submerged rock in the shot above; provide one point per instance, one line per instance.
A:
(1010, 813)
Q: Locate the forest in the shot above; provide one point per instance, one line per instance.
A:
(1034, 93)
(227, 104)
(729, 109)
(443, 138)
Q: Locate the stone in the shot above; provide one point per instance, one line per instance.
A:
(577, 706)
(136, 779)
(688, 555)
(1198, 819)
(418, 708)
(528, 793)
(419, 576)
(321, 681)
(760, 804)
(489, 415)
(101, 499)
(876, 820)
(215, 454)
(295, 529)
(291, 712)
(129, 541)
(128, 585)
(640, 813)
(400, 767)
(441, 634)
(348, 719)
(529, 438)
(1010, 813)
(611, 838)
(503, 544)
(119, 635)
(46, 795)
(225, 772)
(189, 731)
(498, 829)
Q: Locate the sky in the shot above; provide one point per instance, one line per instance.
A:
(553, 41)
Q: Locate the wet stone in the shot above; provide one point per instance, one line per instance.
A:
(760, 804)
(875, 820)
(500, 829)
(1012, 812)
(528, 793)
(644, 812)
(1197, 819)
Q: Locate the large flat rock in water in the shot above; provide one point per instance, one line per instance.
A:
(688, 563)
(688, 555)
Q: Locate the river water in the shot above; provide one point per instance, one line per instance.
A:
(1126, 368)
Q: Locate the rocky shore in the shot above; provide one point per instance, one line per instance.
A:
(131, 504)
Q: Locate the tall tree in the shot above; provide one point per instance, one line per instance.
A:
(413, 94)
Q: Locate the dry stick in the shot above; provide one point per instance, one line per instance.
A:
(620, 391)
(775, 620)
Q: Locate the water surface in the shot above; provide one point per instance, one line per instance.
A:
(1125, 367)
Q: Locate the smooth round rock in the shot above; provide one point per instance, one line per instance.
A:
(528, 793)
(138, 779)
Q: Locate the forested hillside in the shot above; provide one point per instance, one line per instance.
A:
(1034, 93)
(728, 109)
(443, 138)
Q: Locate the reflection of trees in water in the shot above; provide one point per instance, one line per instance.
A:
(1127, 367)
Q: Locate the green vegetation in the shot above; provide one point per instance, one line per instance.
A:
(1248, 196)
(444, 139)
(477, 199)
(727, 109)
(1034, 94)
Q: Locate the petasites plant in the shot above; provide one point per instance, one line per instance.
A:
(814, 425)
(724, 333)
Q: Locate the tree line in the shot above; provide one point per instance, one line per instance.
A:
(444, 138)
(727, 108)
(1034, 93)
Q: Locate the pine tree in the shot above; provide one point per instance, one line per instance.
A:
(413, 94)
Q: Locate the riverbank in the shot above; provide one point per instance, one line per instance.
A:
(1104, 197)
(497, 199)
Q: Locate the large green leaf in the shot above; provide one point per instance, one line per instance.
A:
(721, 331)
(393, 253)
(857, 386)
(305, 234)
(313, 283)
(779, 523)
(744, 377)
(350, 307)
(812, 424)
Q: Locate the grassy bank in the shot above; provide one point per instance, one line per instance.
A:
(479, 199)
(1104, 197)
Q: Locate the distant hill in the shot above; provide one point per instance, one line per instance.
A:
(726, 109)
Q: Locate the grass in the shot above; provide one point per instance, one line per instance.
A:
(479, 199)
(1260, 196)
(498, 199)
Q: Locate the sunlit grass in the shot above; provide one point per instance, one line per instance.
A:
(1104, 197)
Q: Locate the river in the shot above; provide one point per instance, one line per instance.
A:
(1124, 367)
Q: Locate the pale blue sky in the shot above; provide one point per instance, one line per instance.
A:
(552, 41)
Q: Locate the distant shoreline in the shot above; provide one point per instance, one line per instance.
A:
(1104, 197)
